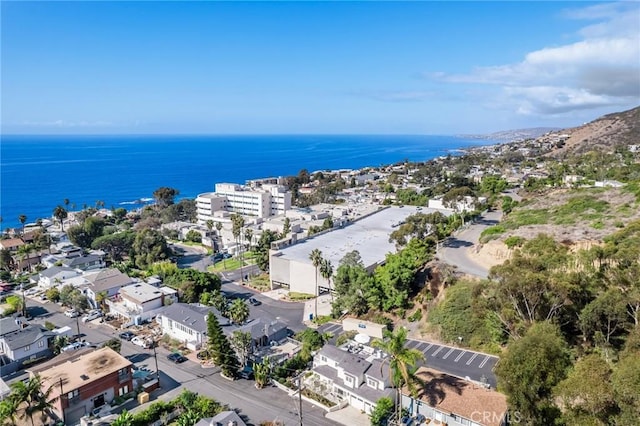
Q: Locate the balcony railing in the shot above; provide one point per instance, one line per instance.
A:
(124, 377)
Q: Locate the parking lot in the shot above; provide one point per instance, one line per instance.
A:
(459, 362)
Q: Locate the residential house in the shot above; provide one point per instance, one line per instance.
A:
(21, 342)
(108, 281)
(85, 262)
(224, 418)
(187, 323)
(25, 261)
(85, 380)
(356, 376)
(455, 402)
(11, 244)
(55, 275)
(140, 301)
(264, 331)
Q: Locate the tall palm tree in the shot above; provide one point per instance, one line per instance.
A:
(22, 218)
(31, 394)
(238, 223)
(326, 272)
(61, 214)
(316, 259)
(402, 361)
(210, 228)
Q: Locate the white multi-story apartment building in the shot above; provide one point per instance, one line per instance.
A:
(268, 200)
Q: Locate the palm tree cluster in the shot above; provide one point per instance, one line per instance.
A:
(325, 268)
(25, 401)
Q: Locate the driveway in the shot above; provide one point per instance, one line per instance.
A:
(456, 249)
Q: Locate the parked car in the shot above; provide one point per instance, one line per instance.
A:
(254, 301)
(142, 342)
(127, 335)
(75, 346)
(176, 358)
(246, 373)
(71, 313)
(91, 316)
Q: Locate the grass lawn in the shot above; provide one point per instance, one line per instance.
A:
(226, 265)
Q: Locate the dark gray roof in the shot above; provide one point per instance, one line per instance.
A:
(192, 316)
(257, 328)
(350, 363)
(26, 336)
(74, 262)
(222, 419)
(55, 270)
(9, 325)
(378, 370)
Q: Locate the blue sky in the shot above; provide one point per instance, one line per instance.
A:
(307, 67)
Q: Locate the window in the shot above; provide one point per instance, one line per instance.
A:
(73, 394)
(372, 383)
(27, 348)
(41, 344)
(123, 390)
(348, 378)
(323, 358)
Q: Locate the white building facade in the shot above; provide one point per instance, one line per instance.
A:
(268, 200)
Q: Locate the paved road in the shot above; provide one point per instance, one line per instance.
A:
(455, 250)
(458, 362)
(257, 405)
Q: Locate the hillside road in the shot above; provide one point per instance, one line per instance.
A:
(456, 249)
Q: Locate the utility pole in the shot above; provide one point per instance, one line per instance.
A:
(62, 401)
(155, 355)
(300, 397)
(78, 324)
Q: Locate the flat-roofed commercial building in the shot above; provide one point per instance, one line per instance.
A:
(268, 200)
(291, 267)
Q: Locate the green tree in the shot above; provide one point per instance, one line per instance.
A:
(382, 411)
(248, 237)
(5, 259)
(530, 369)
(165, 196)
(61, 214)
(238, 311)
(149, 246)
(403, 361)
(605, 316)
(220, 349)
(125, 418)
(23, 219)
(261, 250)
(237, 223)
(193, 236)
(9, 411)
(262, 372)
(286, 227)
(587, 393)
(115, 245)
(326, 272)
(53, 294)
(114, 344)
(242, 344)
(316, 259)
(30, 393)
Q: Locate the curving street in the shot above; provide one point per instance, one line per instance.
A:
(456, 249)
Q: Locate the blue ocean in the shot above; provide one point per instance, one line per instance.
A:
(39, 172)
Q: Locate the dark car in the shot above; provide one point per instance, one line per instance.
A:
(254, 301)
(176, 358)
(127, 335)
(246, 373)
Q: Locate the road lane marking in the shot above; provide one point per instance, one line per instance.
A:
(448, 353)
(472, 358)
(427, 348)
(437, 350)
(459, 356)
(484, 361)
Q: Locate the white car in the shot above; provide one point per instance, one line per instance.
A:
(142, 342)
(91, 316)
(74, 346)
(71, 313)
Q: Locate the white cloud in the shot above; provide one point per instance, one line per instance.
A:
(602, 69)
